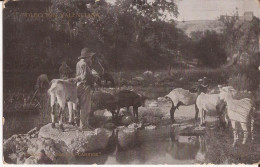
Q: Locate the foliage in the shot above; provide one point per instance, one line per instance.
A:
(209, 49)
(245, 76)
(240, 36)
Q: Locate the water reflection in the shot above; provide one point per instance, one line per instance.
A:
(184, 147)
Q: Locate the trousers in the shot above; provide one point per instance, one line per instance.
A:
(84, 96)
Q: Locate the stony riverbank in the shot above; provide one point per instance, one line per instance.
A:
(45, 145)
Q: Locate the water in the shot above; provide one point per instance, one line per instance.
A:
(159, 146)
(163, 145)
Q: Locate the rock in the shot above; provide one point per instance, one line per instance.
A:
(31, 160)
(99, 113)
(21, 157)
(104, 113)
(135, 126)
(13, 157)
(120, 127)
(76, 141)
(52, 149)
(157, 75)
(124, 112)
(148, 73)
(33, 131)
(127, 120)
(126, 137)
(140, 79)
(150, 127)
(44, 159)
(14, 148)
(161, 99)
(153, 104)
(107, 114)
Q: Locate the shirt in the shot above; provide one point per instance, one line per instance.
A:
(83, 72)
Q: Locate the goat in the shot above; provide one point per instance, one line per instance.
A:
(42, 82)
(240, 111)
(104, 100)
(209, 103)
(180, 97)
(127, 98)
(63, 91)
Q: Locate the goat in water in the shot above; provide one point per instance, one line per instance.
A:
(180, 97)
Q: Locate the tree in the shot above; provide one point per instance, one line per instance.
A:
(209, 49)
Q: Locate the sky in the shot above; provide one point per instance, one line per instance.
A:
(212, 9)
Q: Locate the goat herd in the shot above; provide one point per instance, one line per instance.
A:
(223, 103)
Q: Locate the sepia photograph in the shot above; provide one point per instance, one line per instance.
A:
(127, 82)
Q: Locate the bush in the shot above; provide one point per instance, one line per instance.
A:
(245, 76)
(240, 82)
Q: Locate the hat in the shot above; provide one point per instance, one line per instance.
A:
(85, 53)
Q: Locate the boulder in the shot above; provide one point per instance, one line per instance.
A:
(140, 79)
(15, 148)
(126, 137)
(53, 146)
(135, 126)
(33, 131)
(51, 149)
(127, 120)
(31, 160)
(153, 104)
(150, 127)
(157, 75)
(77, 141)
(161, 99)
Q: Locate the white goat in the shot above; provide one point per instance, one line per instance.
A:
(209, 103)
(179, 97)
(63, 91)
(240, 111)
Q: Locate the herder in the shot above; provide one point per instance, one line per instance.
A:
(85, 83)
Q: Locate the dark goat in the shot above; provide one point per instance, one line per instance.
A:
(127, 98)
(103, 100)
(107, 78)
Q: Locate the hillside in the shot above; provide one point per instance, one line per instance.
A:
(200, 25)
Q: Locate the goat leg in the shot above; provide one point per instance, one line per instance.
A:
(245, 132)
(135, 111)
(233, 124)
(117, 114)
(70, 107)
(172, 112)
(60, 119)
(52, 117)
(197, 112)
(252, 128)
